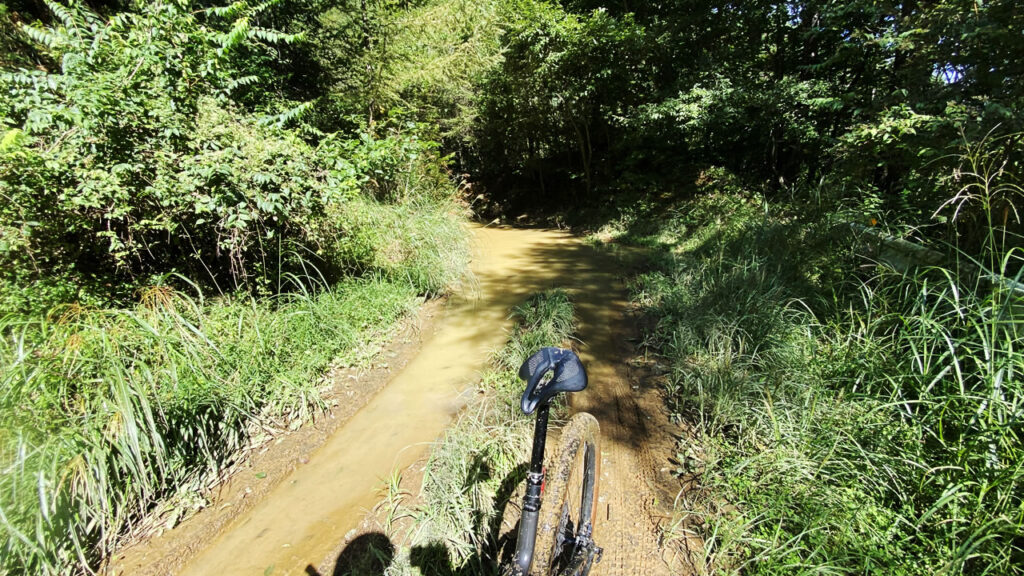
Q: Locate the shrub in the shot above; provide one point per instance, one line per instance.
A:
(422, 244)
(129, 161)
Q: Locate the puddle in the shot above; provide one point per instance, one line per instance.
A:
(306, 517)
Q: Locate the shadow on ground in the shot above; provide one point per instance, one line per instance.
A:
(371, 554)
(593, 278)
(368, 555)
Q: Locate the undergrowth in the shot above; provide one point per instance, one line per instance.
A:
(443, 49)
(474, 470)
(422, 242)
(848, 419)
(106, 412)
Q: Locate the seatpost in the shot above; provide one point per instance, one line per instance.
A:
(540, 434)
(531, 502)
(535, 478)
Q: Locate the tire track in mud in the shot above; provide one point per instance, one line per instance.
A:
(632, 420)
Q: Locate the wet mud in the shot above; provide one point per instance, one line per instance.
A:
(304, 518)
(298, 525)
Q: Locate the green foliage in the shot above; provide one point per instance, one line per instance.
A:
(127, 165)
(442, 51)
(174, 147)
(545, 319)
(396, 167)
(547, 110)
(130, 162)
(842, 425)
(106, 411)
(595, 98)
(348, 59)
(421, 244)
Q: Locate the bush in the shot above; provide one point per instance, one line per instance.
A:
(131, 162)
(425, 246)
(130, 177)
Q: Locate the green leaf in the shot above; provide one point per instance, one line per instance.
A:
(12, 139)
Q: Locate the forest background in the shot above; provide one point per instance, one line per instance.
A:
(205, 205)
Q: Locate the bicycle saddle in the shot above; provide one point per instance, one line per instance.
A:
(568, 376)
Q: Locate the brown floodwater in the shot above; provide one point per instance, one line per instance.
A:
(304, 518)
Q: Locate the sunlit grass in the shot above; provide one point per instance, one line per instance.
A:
(473, 470)
(422, 243)
(845, 422)
(103, 412)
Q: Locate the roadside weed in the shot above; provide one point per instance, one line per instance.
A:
(851, 419)
(474, 470)
(105, 412)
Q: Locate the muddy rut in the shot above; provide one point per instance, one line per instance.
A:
(299, 523)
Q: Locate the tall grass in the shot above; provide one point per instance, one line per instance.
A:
(474, 469)
(421, 242)
(845, 422)
(103, 412)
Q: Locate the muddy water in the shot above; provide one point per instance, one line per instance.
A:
(302, 520)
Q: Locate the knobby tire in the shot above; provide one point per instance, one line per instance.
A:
(570, 496)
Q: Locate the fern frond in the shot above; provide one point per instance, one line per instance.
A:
(121, 20)
(34, 79)
(229, 11)
(264, 6)
(13, 139)
(826, 103)
(239, 32)
(63, 14)
(91, 19)
(239, 82)
(288, 115)
(273, 36)
(48, 37)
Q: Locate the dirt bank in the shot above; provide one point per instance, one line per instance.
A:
(165, 546)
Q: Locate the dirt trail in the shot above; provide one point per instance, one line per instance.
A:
(299, 523)
(635, 432)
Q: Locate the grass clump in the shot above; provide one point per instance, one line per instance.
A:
(474, 470)
(105, 411)
(846, 420)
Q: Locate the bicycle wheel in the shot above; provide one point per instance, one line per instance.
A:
(568, 511)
